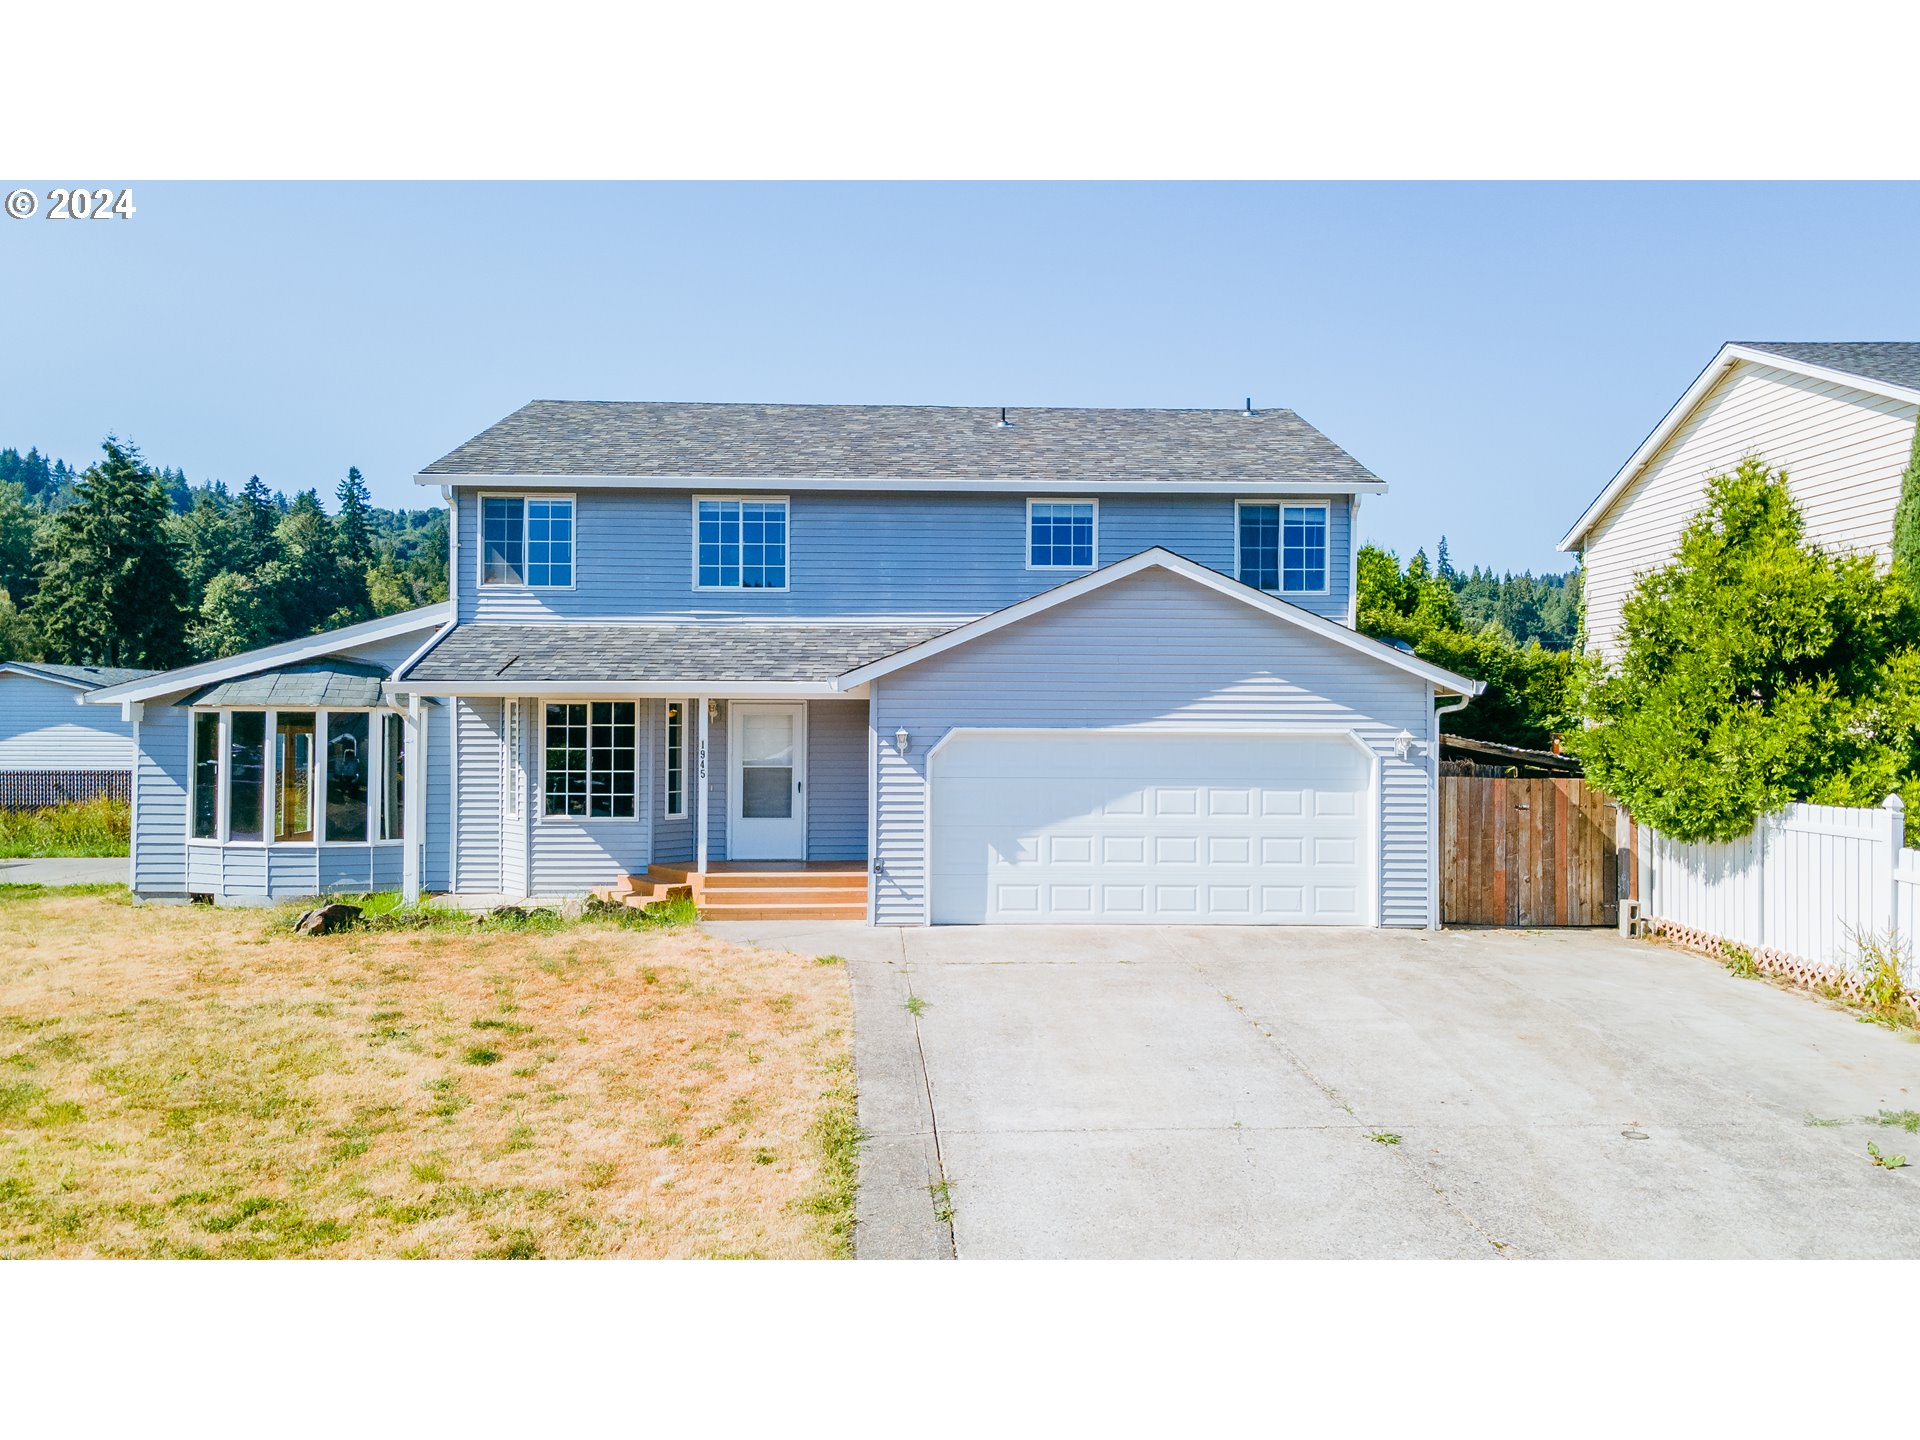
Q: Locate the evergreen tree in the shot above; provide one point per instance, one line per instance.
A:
(1906, 518)
(109, 592)
(255, 545)
(1443, 566)
(205, 543)
(353, 530)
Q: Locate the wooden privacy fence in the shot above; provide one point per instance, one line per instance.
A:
(1528, 853)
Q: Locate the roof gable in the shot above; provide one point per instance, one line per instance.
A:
(1160, 559)
(79, 677)
(927, 446)
(1868, 366)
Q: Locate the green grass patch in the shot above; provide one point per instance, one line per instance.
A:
(15, 894)
(62, 832)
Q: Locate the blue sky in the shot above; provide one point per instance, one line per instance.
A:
(1493, 351)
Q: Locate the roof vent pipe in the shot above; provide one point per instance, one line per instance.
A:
(1249, 409)
(1005, 423)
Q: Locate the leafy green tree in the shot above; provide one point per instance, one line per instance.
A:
(19, 523)
(1527, 697)
(109, 592)
(18, 638)
(205, 543)
(1906, 517)
(1755, 670)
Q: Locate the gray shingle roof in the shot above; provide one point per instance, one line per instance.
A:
(905, 442)
(330, 681)
(93, 677)
(684, 653)
(1892, 362)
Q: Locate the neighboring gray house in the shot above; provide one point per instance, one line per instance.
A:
(917, 664)
(52, 749)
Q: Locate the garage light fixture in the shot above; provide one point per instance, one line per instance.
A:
(1403, 744)
(902, 741)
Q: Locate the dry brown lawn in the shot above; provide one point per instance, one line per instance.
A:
(192, 1082)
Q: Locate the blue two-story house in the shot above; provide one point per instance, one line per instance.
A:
(916, 664)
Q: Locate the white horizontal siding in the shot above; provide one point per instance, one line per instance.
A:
(477, 796)
(42, 728)
(159, 841)
(1150, 650)
(1843, 451)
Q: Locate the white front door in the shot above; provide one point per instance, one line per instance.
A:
(1189, 828)
(766, 781)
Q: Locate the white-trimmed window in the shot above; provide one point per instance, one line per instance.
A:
(1062, 534)
(526, 540)
(591, 759)
(675, 769)
(1282, 549)
(296, 777)
(739, 544)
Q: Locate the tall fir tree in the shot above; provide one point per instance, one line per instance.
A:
(254, 523)
(1906, 518)
(353, 528)
(110, 593)
(19, 522)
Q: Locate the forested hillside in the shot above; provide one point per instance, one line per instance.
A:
(125, 564)
(1527, 606)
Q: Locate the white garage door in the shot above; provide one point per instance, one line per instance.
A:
(1107, 826)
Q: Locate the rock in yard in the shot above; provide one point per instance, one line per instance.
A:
(326, 919)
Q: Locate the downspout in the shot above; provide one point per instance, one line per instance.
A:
(1433, 775)
(1353, 562)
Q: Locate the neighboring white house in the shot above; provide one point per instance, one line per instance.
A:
(1837, 417)
(52, 748)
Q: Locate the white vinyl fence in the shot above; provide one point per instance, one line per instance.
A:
(1801, 885)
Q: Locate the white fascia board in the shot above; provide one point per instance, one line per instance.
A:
(900, 486)
(619, 689)
(1728, 357)
(1160, 559)
(25, 672)
(307, 647)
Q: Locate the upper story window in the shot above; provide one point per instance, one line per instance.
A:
(526, 541)
(740, 544)
(1062, 534)
(1283, 548)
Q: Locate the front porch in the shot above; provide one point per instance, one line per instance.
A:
(753, 889)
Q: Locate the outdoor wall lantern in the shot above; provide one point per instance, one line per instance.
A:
(1403, 744)
(902, 741)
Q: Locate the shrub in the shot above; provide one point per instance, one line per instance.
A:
(83, 827)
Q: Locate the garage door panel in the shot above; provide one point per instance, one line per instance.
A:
(1151, 827)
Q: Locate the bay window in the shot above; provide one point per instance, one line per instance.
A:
(296, 777)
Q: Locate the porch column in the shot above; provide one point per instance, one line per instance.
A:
(700, 833)
(413, 793)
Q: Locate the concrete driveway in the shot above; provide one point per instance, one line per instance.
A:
(1132, 1092)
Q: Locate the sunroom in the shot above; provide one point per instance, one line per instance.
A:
(297, 782)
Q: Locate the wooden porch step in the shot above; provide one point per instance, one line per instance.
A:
(785, 910)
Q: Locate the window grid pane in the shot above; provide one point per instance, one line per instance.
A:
(504, 535)
(550, 542)
(742, 544)
(1304, 548)
(676, 760)
(1061, 536)
(1260, 546)
(591, 765)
